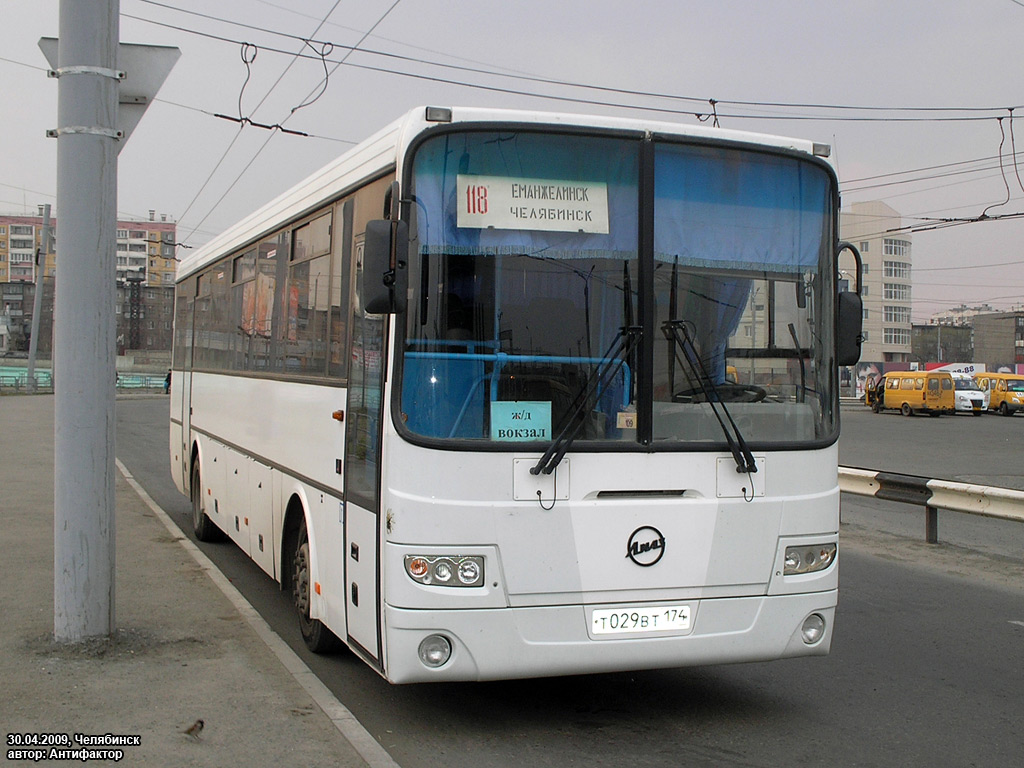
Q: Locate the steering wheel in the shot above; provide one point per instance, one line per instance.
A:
(727, 393)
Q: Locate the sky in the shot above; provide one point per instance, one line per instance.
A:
(916, 97)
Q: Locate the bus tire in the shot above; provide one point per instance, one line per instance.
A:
(318, 638)
(906, 410)
(202, 526)
(1004, 409)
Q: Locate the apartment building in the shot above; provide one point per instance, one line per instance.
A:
(144, 248)
(145, 281)
(999, 339)
(886, 278)
(20, 239)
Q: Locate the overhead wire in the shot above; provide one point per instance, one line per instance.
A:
(292, 113)
(241, 127)
(848, 185)
(1002, 140)
(701, 115)
(403, 43)
(713, 103)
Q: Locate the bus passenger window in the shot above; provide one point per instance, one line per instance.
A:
(341, 272)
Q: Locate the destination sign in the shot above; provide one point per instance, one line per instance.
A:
(520, 420)
(501, 202)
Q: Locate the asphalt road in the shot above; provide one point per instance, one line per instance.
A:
(988, 449)
(925, 668)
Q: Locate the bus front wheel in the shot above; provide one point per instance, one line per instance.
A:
(906, 410)
(318, 638)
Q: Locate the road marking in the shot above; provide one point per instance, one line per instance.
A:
(350, 728)
(1018, 623)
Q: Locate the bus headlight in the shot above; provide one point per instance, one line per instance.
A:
(470, 571)
(808, 558)
(446, 570)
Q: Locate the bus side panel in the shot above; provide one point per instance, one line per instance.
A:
(236, 502)
(361, 577)
(327, 515)
(262, 544)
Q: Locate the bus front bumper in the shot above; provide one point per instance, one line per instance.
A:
(506, 643)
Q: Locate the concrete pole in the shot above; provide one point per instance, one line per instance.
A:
(87, 102)
(37, 302)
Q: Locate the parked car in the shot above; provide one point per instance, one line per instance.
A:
(970, 397)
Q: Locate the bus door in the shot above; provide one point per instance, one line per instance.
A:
(363, 420)
(184, 323)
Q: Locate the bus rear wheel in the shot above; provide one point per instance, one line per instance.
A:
(906, 410)
(318, 638)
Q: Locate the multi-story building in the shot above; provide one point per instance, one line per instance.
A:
(943, 343)
(999, 338)
(144, 248)
(145, 281)
(144, 316)
(147, 248)
(886, 288)
(962, 315)
(20, 240)
(17, 300)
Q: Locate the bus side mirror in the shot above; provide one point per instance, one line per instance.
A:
(848, 328)
(385, 267)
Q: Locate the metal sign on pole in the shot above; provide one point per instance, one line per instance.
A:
(143, 69)
(91, 82)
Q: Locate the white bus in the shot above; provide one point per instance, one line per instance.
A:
(463, 393)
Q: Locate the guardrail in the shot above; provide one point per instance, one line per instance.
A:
(933, 495)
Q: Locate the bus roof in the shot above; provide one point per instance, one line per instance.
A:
(384, 151)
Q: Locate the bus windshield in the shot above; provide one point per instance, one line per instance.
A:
(534, 255)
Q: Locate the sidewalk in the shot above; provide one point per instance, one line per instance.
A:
(182, 650)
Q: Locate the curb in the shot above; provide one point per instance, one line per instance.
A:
(343, 720)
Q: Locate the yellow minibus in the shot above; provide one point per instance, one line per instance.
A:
(1005, 391)
(913, 392)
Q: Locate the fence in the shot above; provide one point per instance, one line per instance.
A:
(16, 381)
(933, 495)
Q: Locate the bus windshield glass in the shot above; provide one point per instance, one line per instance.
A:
(551, 288)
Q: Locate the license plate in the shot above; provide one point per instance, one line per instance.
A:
(666, 618)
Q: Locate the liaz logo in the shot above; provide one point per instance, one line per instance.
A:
(646, 546)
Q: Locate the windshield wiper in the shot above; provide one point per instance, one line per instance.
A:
(677, 331)
(620, 349)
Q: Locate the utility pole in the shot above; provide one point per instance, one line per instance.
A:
(37, 301)
(87, 147)
(95, 116)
